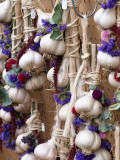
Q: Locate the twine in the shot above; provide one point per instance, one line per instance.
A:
(16, 39)
(34, 122)
(117, 143)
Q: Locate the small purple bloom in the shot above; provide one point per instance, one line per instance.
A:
(12, 78)
(97, 94)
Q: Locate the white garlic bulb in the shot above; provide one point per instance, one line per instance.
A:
(42, 15)
(36, 82)
(88, 141)
(18, 150)
(46, 151)
(5, 116)
(62, 76)
(23, 108)
(29, 156)
(18, 95)
(106, 18)
(31, 59)
(64, 111)
(6, 11)
(102, 154)
(106, 60)
(50, 46)
(21, 130)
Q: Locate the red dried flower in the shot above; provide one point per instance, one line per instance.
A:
(74, 111)
(9, 64)
(21, 77)
(116, 77)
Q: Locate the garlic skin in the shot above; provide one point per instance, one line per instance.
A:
(31, 59)
(112, 80)
(22, 130)
(46, 151)
(6, 11)
(62, 76)
(64, 111)
(50, 46)
(44, 16)
(2, 66)
(106, 60)
(36, 82)
(88, 141)
(4, 74)
(106, 18)
(88, 105)
(102, 154)
(2, 56)
(5, 116)
(29, 156)
(18, 95)
(23, 108)
(19, 142)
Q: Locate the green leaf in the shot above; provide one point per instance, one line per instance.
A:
(17, 70)
(118, 96)
(57, 16)
(106, 127)
(92, 87)
(58, 7)
(114, 107)
(102, 99)
(55, 34)
(4, 98)
(51, 21)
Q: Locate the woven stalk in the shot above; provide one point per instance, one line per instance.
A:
(17, 34)
(27, 8)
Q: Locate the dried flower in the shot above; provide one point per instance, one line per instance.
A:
(97, 94)
(117, 76)
(74, 111)
(9, 64)
(103, 135)
(21, 77)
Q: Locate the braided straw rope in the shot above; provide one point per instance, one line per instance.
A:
(17, 34)
(34, 122)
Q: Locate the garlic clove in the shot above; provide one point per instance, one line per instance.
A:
(23, 108)
(112, 80)
(22, 130)
(5, 116)
(106, 18)
(6, 11)
(106, 60)
(44, 16)
(18, 150)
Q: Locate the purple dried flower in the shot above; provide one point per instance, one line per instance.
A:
(97, 94)
(12, 78)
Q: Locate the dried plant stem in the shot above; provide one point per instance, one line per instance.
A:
(117, 143)
(17, 26)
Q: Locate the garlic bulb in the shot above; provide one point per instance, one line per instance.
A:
(62, 76)
(106, 18)
(64, 111)
(6, 11)
(23, 108)
(36, 82)
(20, 144)
(22, 130)
(2, 66)
(50, 46)
(30, 60)
(112, 80)
(29, 156)
(88, 141)
(5, 116)
(4, 74)
(88, 105)
(106, 60)
(46, 151)
(42, 15)
(18, 150)
(2, 56)
(18, 95)
(102, 154)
